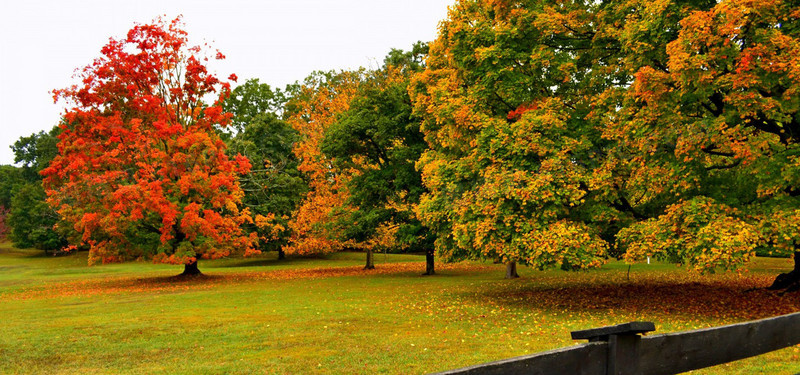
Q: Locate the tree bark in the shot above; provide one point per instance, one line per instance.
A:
(281, 254)
(429, 266)
(511, 270)
(190, 269)
(789, 281)
(370, 260)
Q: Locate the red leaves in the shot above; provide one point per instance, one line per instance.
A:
(242, 164)
(139, 155)
(517, 113)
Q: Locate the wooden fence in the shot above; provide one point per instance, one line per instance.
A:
(621, 350)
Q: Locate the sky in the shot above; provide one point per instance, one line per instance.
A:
(43, 43)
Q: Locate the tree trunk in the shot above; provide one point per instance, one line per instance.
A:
(190, 269)
(370, 260)
(511, 270)
(281, 254)
(789, 281)
(429, 270)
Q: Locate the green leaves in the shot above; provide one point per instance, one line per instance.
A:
(274, 186)
(379, 139)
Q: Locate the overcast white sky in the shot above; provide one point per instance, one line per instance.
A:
(43, 42)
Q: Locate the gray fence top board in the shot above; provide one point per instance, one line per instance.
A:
(677, 352)
(632, 328)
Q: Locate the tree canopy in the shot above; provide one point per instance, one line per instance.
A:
(551, 134)
(560, 134)
(274, 186)
(140, 170)
(379, 139)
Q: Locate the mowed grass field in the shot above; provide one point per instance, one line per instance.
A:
(326, 315)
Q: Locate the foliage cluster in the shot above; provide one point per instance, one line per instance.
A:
(551, 134)
(563, 133)
(140, 170)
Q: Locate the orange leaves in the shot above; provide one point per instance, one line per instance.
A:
(517, 113)
(139, 164)
(242, 164)
(319, 108)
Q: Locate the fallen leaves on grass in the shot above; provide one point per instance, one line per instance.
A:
(724, 297)
(729, 296)
(114, 285)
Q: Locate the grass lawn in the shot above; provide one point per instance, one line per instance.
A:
(326, 315)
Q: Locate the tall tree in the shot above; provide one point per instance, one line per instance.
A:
(716, 128)
(380, 139)
(323, 97)
(505, 101)
(140, 170)
(274, 186)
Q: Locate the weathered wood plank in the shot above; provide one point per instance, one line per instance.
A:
(674, 353)
(632, 328)
(586, 359)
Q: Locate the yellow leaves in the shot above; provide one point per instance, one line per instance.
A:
(321, 108)
(384, 238)
(699, 232)
(562, 243)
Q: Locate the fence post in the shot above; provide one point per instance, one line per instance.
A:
(623, 345)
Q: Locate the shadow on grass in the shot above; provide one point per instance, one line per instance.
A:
(25, 253)
(737, 298)
(183, 278)
(266, 262)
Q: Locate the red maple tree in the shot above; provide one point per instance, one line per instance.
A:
(141, 172)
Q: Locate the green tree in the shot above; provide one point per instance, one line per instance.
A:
(506, 101)
(31, 219)
(713, 131)
(274, 186)
(253, 99)
(35, 152)
(663, 128)
(10, 182)
(380, 139)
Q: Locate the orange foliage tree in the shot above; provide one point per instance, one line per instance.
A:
(321, 100)
(141, 172)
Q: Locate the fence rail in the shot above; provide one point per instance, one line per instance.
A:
(620, 350)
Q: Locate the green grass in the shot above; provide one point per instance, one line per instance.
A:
(261, 315)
